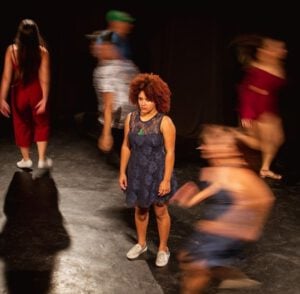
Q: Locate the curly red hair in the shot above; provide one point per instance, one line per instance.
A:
(155, 89)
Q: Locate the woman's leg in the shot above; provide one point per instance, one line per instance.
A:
(22, 122)
(272, 137)
(25, 153)
(41, 137)
(42, 147)
(194, 278)
(141, 222)
(249, 136)
(163, 224)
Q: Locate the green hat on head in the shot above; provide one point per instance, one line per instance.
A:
(116, 15)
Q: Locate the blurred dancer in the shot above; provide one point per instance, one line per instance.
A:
(258, 93)
(112, 77)
(27, 70)
(237, 205)
(120, 25)
(147, 161)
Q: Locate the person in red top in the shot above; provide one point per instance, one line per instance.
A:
(26, 70)
(258, 97)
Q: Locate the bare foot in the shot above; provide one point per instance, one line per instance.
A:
(265, 173)
(239, 283)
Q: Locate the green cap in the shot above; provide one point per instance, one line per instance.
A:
(116, 15)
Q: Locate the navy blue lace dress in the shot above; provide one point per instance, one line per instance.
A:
(146, 164)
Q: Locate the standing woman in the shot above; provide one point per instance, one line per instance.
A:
(26, 70)
(147, 161)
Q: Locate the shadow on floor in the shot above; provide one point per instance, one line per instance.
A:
(32, 235)
(167, 277)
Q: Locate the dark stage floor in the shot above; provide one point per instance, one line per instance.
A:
(68, 232)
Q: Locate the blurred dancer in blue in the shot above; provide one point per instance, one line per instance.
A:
(120, 25)
(237, 204)
(112, 77)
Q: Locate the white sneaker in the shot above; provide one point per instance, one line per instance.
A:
(24, 163)
(136, 251)
(162, 258)
(45, 163)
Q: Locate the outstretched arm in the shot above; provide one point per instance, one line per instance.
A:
(185, 198)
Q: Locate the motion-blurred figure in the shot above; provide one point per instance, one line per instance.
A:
(119, 25)
(237, 205)
(258, 93)
(112, 77)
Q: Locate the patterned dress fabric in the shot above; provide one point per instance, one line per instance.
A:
(146, 163)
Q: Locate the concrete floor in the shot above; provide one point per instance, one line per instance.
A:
(68, 232)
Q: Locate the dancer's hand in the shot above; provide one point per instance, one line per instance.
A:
(246, 123)
(105, 143)
(41, 106)
(4, 108)
(123, 182)
(164, 188)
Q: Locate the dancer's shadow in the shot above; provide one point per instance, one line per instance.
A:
(32, 235)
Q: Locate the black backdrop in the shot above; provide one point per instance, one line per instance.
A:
(186, 44)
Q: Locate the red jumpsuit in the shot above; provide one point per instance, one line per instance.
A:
(28, 125)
